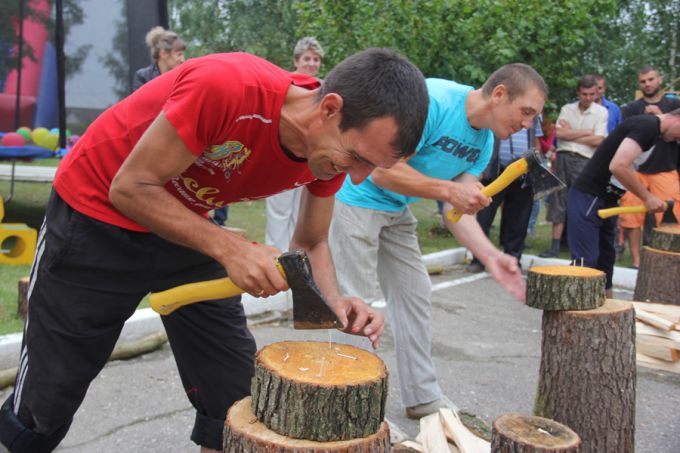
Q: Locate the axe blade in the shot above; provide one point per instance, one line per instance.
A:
(310, 309)
(668, 215)
(543, 181)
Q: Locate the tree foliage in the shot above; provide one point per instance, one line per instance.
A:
(73, 15)
(463, 40)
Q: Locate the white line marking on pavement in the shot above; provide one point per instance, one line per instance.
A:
(380, 303)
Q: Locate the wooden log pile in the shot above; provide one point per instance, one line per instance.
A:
(312, 397)
(658, 336)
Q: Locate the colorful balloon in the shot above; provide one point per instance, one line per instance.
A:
(50, 141)
(25, 132)
(13, 139)
(39, 134)
(55, 130)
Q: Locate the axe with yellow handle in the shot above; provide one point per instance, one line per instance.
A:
(543, 182)
(637, 209)
(310, 309)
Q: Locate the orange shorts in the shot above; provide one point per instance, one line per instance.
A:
(664, 185)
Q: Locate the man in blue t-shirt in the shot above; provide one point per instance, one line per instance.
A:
(374, 231)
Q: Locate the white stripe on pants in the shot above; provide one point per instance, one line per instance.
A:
(366, 242)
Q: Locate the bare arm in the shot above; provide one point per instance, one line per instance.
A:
(466, 196)
(621, 166)
(311, 235)
(138, 191)
(503, 268)
(564, 131)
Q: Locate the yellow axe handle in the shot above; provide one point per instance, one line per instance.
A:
(165, 302)
(511, 172)
(609, 212)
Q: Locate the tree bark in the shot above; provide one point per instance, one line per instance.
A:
(244, 434)
(587, 375)
(22, 305)
(565, 288)
(658, 277)
(319, 391)
(519, 433)
(666, 238)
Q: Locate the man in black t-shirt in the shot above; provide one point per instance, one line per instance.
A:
(604, 179)
(659, 173)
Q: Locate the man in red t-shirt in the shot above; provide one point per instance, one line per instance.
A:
(128, 217)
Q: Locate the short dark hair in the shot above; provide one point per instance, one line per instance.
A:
(599, 77)
(587, 81)
(646, 69)
(378, 83)
(517, 79)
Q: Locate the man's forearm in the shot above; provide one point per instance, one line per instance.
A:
(471, 236)
(591, 140)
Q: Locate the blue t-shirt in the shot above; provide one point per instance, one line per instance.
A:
(449, 146)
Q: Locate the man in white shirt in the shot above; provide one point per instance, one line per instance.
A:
(581, 127)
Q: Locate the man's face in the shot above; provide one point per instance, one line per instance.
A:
(513, 116)
(586, 96)
(601, 90)
(356, 152)
(650, 83)
(308, 63)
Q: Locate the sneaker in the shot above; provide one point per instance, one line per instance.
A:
(421, 410)
(474, 267)
(548, 254)
(397, 435)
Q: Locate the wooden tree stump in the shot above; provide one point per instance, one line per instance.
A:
(22, 303)
(587, 375)
(666, 237)
(657, 279)
(565, 288)
(319, 390)
(244, 434)
(519, 433)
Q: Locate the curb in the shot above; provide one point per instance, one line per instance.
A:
(146, 322)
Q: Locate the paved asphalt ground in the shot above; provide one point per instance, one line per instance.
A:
(487, 351)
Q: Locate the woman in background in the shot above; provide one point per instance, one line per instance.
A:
(167, 52)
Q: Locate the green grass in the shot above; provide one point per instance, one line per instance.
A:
(30, 199)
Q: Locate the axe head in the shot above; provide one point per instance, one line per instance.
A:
(310, 309)
(668, 216)
(542, 180)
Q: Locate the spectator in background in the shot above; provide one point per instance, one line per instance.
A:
(282, 208)
(167, 52)
(659, 173)
(613, 110)
(547, 148)
(517, 199)
(581, 127)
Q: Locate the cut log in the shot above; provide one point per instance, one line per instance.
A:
(654, 320)
(666, 238)
(670, 312)
(464, 439)
(519, 433)
(656, 350)
(22, 303)
(565, 288)
(587, 375)
(244, 434)
(657, 279)
(657, 364)
(319, 391)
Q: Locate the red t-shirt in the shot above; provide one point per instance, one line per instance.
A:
(226, 109)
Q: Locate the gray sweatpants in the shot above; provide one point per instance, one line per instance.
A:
(366, 242)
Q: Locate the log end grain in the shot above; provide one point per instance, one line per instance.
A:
(527, 433)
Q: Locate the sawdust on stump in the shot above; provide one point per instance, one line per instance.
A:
(319, 391)
(243, 433)
(565, 288)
